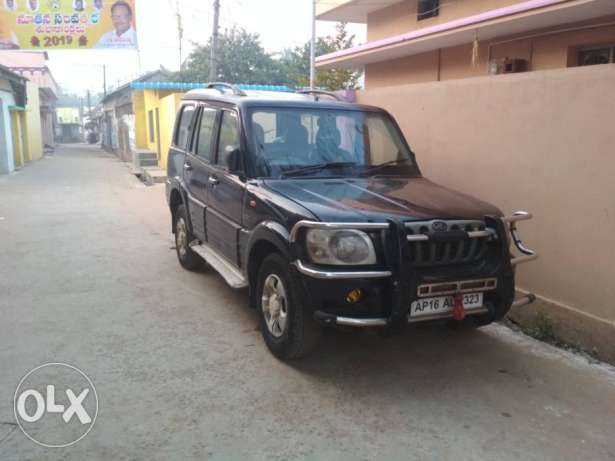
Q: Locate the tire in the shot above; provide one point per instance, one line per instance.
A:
(278, 296)
(188, 259)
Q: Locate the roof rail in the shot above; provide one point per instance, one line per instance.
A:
(317, 93)
(234, 88)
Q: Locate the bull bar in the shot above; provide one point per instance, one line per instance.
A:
(329, 274)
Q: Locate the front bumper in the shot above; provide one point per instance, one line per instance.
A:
(397, 282)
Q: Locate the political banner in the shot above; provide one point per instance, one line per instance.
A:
(67, 24)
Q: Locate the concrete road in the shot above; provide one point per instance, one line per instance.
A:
(88, 277)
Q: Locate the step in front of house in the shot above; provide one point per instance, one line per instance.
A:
(144, 158)
(148, 162)
(153, 175)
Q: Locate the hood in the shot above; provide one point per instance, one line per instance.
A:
(380, 198)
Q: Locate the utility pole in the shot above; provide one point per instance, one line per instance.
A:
(105, 80)
(89, 102)
(213, 63)
(313, 48)
(180, 33)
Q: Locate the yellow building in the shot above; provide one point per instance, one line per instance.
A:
(155, 106)
(20, 123)
(33, 125)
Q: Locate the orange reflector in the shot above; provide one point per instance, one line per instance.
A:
(354, 296)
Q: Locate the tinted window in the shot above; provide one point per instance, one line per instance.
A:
(287, 139)
(229, 137)
(183, 129)
(206, 133)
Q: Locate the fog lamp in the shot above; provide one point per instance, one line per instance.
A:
(354, 296)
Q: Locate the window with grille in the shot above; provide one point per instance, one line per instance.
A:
(428, 9)
(150, 119)
(596, 55)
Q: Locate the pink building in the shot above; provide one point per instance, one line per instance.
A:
(33, 66)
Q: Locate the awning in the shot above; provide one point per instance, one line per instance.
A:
(507, 21)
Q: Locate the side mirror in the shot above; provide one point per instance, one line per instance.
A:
(234, 160)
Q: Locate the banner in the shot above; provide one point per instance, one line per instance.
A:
(67, 24)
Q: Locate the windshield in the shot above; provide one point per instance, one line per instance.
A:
(323, 142)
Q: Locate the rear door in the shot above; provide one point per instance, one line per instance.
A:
(197, 167)
(226, 191)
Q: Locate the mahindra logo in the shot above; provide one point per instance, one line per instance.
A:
(439, 226)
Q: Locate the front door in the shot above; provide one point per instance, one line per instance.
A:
(197, 168)
(226, 192)
(4, 153)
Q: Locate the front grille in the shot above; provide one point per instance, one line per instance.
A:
(448, 247)
(451, 288)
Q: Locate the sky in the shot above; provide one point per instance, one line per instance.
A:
(280, 24)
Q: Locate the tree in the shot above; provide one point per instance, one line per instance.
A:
(241, 59)
(295, 63)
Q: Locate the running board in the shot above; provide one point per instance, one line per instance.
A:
(230, 274)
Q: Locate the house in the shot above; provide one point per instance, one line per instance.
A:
(156, 105)
(12, 120)
(70, 125)
(20, 123)
(33, 66)
(117, 125)
(140, 116)
(511, 101)
(431, 40)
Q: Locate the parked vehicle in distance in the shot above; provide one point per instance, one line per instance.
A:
(320, 209)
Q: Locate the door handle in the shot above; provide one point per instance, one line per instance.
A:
(187, 166)
(214, 181)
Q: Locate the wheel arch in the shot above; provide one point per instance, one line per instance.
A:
(268, 237)
(177, 197)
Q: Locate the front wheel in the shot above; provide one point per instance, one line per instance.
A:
(287, 326)
(187, 258)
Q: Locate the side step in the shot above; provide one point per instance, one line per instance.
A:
(231, 274)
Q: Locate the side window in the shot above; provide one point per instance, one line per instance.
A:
(229, 137)
(206, 134)
(183, 128)
(150, 122)
(428, 9)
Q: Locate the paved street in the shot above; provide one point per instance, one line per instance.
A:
(88, 276)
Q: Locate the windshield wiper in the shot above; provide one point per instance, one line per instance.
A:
(315, 168)
(373, 168)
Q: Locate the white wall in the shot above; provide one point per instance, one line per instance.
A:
(7, 164)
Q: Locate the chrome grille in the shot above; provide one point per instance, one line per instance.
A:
(464, 241)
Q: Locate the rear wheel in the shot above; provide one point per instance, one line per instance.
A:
(287, 326)
(187, 258)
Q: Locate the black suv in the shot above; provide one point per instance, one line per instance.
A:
(318, 206)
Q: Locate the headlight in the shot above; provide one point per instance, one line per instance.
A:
(345, 247)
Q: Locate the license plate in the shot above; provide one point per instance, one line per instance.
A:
(444, 305)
